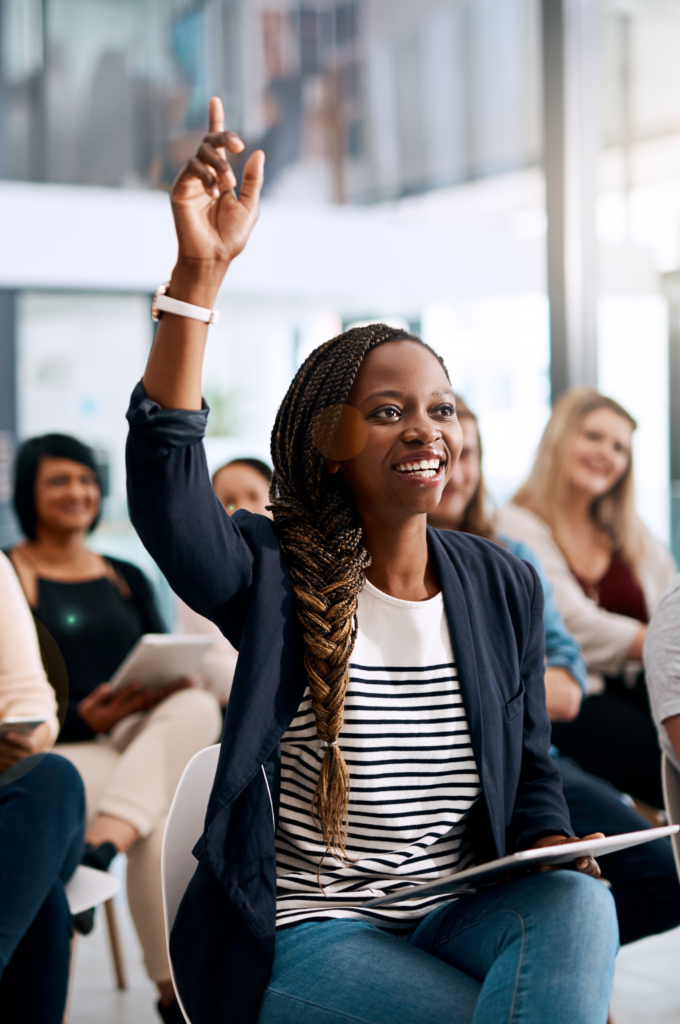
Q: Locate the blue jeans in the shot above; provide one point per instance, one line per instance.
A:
(538, 949)
(42, 818)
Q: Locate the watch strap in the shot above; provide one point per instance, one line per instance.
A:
(165, 304)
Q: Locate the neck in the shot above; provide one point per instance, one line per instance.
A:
(577, 505)
(400, 564)
(58, 546)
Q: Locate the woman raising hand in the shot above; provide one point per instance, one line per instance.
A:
(387, 719)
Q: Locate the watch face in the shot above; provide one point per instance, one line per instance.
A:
(157, 313)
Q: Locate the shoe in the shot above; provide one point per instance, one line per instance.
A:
(170, 1014)
(99, 858)
(84, 921)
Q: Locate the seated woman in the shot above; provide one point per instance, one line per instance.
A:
(241, 483)
(42, 819)
(644, 881)
(577, 512)
(131, 745)
(387, 719)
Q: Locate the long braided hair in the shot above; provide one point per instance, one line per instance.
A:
(317, 525)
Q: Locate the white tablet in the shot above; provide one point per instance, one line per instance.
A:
(158, 659)
(519, 863)
(22, 724)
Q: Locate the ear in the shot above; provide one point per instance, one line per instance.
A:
(332, 466)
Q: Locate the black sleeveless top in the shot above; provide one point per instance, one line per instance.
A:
(95, 626)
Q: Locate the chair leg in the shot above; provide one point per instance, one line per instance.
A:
(116, 949)
(71, 974)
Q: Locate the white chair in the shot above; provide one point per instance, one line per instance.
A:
(183, 829)
(670, 778)
(89, 888)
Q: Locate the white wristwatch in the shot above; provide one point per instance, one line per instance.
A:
(162, 303)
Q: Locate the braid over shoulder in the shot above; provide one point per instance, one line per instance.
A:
(317, 525)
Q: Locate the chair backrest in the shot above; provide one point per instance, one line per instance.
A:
(183, 829)
(670, 777)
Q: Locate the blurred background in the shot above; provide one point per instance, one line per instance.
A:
(502, 176)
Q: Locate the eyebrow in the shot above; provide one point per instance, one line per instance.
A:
(400, 394)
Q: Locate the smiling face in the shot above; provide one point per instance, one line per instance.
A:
(240, 486)
(414, 437)
(463, 483)
(599, 453)
(67, 496)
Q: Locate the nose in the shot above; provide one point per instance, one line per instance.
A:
(420, 428)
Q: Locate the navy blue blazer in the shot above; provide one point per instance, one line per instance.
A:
(231, 570)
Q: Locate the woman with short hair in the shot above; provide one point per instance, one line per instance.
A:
(131, 744)
(577, 512)
(387, 719)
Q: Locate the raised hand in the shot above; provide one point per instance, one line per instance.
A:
(212, 223)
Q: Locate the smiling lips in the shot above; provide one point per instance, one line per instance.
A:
(425, 469)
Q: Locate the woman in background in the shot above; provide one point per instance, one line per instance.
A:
(643, 879)
(131, 745)
(241, 483)
(577, 512)
(42, 819)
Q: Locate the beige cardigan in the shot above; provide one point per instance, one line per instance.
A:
(24, 689)
(603, 636)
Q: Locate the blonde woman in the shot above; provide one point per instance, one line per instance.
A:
(577, 511)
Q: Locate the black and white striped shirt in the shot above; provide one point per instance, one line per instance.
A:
(413, 773)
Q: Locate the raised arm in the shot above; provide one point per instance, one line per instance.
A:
(201, 550)
(213, 226)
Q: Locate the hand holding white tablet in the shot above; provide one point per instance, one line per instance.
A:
(21, 737)
(539, 858)
(587, 865)
(106, 706)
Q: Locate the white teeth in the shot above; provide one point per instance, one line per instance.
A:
(423, 468)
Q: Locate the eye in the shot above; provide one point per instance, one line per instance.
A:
(446, 410)
(386, 412)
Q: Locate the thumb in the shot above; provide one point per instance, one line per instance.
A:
(253, 180)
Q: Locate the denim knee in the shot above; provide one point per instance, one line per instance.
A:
(56, 775)
(583, 904)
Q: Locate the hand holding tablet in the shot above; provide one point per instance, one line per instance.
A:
(496, 871)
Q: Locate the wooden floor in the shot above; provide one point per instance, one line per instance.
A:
(646, 989)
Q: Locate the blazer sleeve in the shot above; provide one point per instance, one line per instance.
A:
(604, 636)
(540, 808)
(199, 548)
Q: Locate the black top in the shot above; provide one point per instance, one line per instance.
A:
(95, 626)
(231, 569)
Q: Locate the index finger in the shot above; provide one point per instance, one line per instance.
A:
(215, 115)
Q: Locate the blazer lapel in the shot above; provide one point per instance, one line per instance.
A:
(463, 643)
